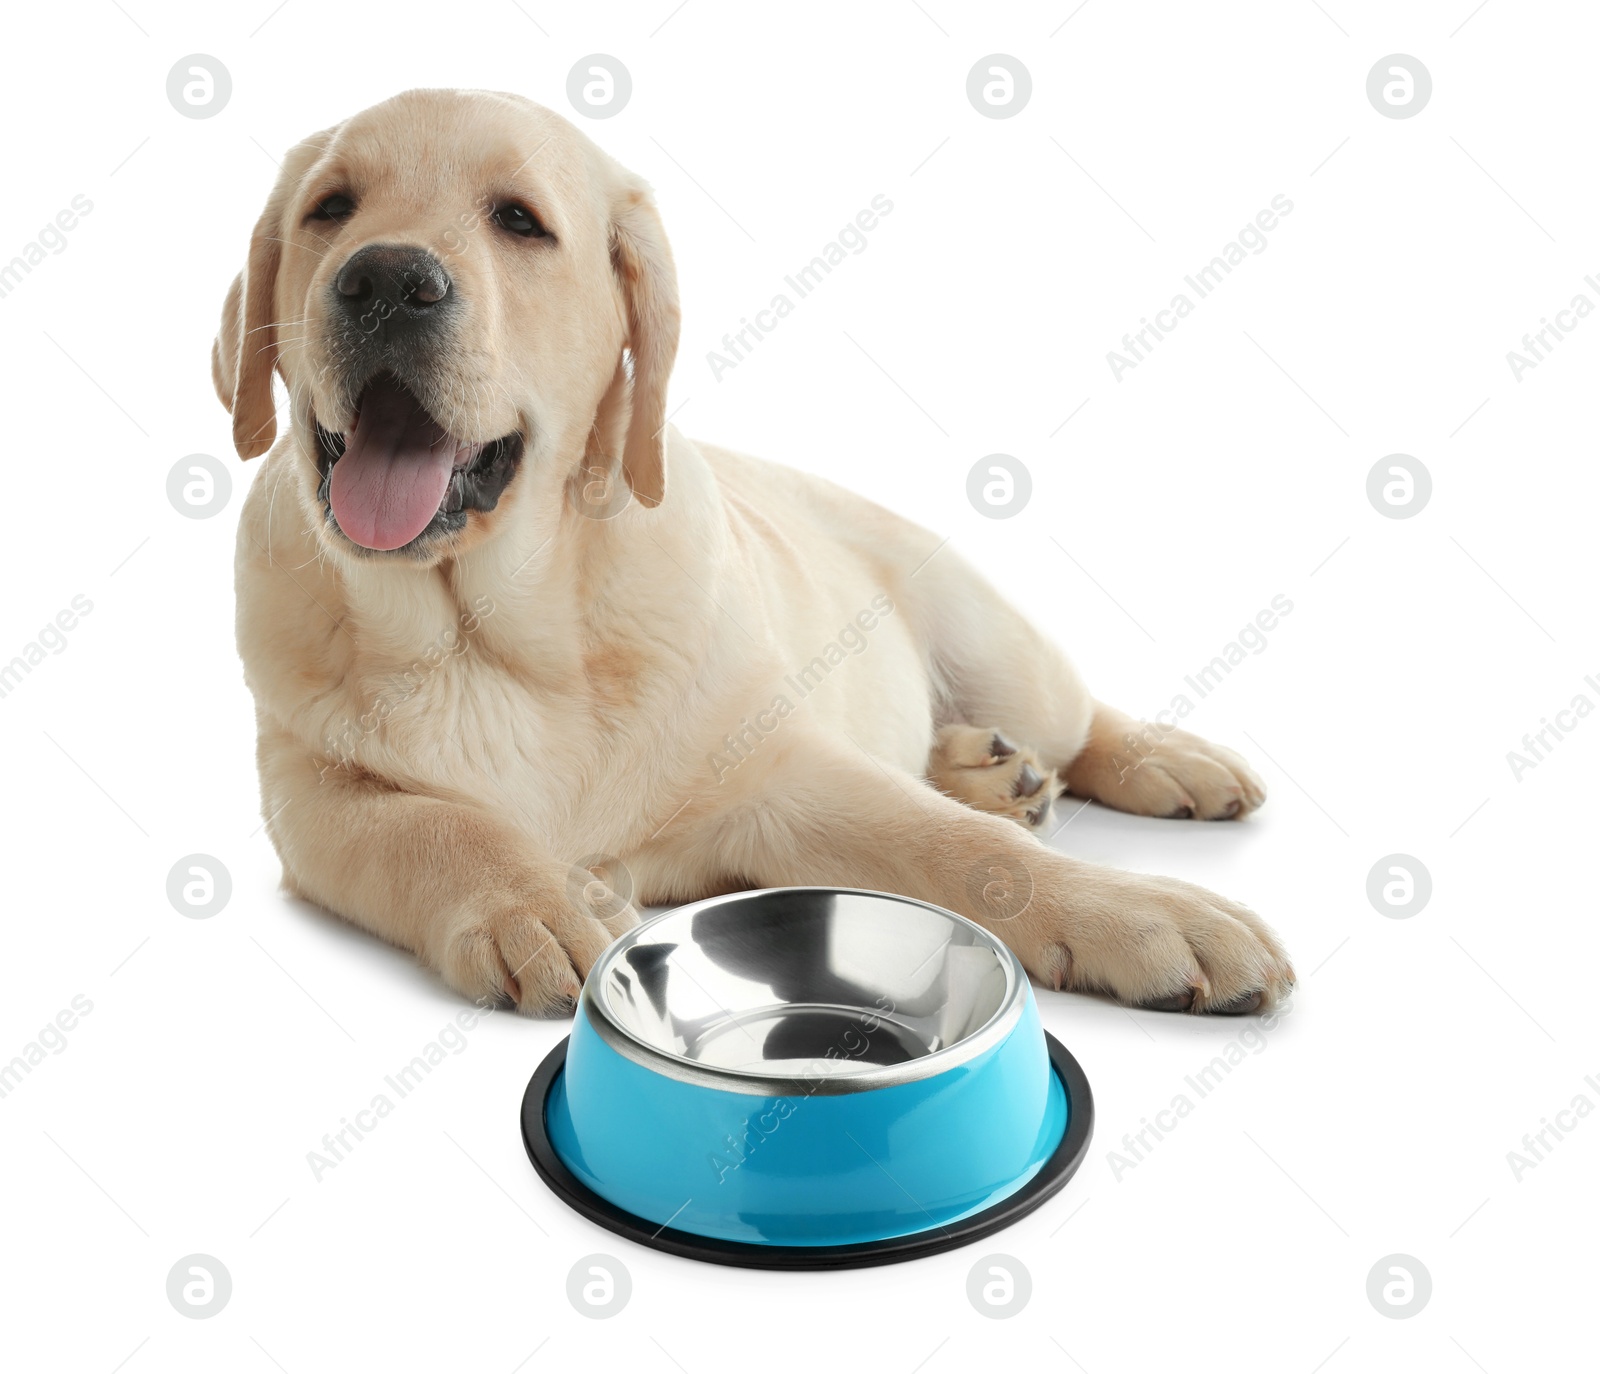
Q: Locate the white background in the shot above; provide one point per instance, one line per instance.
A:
(1229, 468)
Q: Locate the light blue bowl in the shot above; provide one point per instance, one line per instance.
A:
(807, 1077)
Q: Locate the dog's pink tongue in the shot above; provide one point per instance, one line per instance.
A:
(394, 471)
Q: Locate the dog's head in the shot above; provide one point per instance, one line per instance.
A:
(456, 287)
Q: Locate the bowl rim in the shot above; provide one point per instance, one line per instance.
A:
(754, 1082)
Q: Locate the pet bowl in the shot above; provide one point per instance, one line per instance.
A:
(807, 1078)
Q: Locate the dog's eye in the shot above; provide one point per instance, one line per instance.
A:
(517, 219)
(333, 207)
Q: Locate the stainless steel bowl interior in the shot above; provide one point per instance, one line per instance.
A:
(805, 989)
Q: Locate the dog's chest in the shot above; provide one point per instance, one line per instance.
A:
(461, 723)
(550, 749)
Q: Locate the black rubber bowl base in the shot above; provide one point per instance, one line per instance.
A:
(1045, 1184)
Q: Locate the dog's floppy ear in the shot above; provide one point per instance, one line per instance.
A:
(246, 348)
(643, 264)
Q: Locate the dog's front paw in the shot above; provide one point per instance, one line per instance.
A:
(1149, 942)
(1152, 769)
(532, 954)
(986, 770)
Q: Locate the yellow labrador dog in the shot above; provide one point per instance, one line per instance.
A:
(505, 625)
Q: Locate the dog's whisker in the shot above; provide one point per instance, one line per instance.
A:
(277, 324)
(304, 247)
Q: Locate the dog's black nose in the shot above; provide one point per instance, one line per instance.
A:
(392, 286)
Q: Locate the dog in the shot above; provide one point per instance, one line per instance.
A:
(525, 657)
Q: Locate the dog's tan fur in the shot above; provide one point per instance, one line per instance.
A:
(444, 741)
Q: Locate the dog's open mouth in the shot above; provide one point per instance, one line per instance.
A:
(398, 475)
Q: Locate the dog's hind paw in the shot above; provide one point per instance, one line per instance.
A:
(989, 772)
